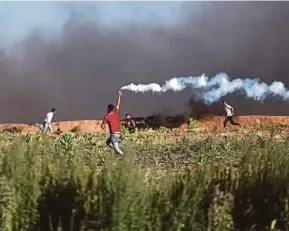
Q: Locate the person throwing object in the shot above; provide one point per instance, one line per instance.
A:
(47, 122)
(112, 120)
(229, 111)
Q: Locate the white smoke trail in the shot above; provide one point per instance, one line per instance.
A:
(216, 87)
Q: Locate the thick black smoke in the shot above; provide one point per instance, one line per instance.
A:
(79, 71)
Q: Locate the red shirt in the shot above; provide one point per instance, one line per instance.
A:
(112, 121)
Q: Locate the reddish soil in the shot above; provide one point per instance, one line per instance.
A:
(93, 126)
(246, 121)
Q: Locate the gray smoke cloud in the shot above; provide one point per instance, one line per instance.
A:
(80, 70)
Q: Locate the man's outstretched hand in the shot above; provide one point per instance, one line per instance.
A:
(118, 100)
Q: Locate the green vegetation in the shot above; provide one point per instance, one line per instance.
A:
(191, 124)
(163, 183)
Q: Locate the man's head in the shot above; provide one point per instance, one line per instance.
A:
(224, 102)
(127, 116)
(53, 110)
(110, 108)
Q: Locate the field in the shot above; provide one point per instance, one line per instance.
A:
(198, 178)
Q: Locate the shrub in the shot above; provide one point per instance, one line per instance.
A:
(72, 184)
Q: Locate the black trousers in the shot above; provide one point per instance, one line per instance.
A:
(231, 120)
(131, 129)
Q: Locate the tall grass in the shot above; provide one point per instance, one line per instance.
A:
(76, 183)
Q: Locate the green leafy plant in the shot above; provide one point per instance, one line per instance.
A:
(124, 133)
(67, 141)
(191, 124)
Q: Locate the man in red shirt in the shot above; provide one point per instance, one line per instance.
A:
(112, 120)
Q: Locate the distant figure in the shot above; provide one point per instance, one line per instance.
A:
(229, 112)
(112, 119)
(130, 123)
(46, 125)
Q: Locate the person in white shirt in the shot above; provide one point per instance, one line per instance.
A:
(47, 121)
(229, 113)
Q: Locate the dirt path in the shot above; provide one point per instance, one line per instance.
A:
(209, 123)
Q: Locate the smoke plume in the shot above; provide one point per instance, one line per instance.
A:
(79, 70)
(216, 87)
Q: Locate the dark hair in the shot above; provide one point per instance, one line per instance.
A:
(53, 110)
(126, 115)
(224, 101)
(110, 108)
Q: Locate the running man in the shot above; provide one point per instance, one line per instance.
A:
(229, 111)
(112, 120)
(47, 122)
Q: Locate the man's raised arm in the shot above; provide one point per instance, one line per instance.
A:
(118, 100)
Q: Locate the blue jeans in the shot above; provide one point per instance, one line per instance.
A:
(112, 142)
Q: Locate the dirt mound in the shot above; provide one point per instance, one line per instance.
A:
(85, 126)
(93, 126)
(246, 121)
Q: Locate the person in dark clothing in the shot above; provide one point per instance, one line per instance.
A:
(229, 113)
(130, 123)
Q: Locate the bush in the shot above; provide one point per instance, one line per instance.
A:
(191, 124)
(72, 184)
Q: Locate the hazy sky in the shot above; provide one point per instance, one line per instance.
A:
(17, 19)
(74, 56)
